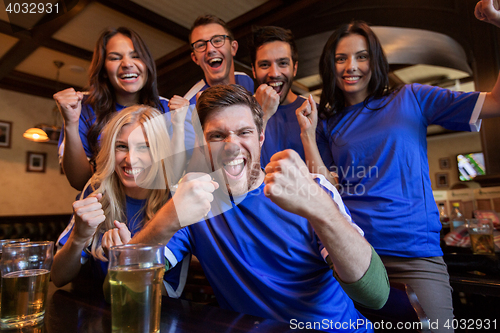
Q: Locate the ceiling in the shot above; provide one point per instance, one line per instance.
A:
(29, 45)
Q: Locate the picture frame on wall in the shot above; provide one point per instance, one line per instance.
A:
(444, 163)
(35, 161)
(5, 133)
(442, 179)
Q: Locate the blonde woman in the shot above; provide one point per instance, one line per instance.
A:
(134, 167)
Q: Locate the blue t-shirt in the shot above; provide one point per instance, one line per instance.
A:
(381, 160)
(265, 261)
(282, 132)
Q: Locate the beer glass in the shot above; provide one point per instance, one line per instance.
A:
(135, 277)
(2, 243)
(25, 271)
(481, 235)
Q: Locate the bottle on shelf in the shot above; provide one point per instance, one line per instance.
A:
(457, 218)
(445, 220)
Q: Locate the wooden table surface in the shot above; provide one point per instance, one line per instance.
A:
(72, 309)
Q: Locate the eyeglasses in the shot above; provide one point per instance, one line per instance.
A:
(217, 41)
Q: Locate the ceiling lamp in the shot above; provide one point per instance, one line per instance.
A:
(42, 132)
(36, 134)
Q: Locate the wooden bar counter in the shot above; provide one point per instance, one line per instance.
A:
(83, 309)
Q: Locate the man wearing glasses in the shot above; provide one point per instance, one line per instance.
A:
(213, 48)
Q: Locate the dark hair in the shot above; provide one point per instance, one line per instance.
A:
(332, 98)
(101, 93)
(263, 35)
(209, 19)
(225, 95)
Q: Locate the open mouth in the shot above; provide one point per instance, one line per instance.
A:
(129, 76)
(277, 86)
(235, 167)
(215, 62)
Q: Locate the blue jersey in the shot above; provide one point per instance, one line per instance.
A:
(283, 132)
(380, 155)
(265, 261)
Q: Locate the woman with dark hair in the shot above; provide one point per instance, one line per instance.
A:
(374, 138)
(122, 73)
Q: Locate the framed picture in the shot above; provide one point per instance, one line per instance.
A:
(36, 162)
(444, 163)
(5, 133)
(442, 179)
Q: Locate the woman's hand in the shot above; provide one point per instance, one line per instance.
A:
(178, 109)
(116, 236)
(307, 116)
(488, 11)
(69, 103)
(88, 215)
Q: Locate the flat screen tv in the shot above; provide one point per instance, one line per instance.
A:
(470, 165)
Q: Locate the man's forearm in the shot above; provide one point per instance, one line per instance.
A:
(349, 251)
(160, 228)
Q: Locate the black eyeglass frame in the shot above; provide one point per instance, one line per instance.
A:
(211, 42)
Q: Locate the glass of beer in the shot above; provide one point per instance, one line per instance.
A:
(2, 243)
(481, 235)
(25, 271)
(136, 277)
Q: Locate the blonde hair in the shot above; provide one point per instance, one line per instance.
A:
(106, 181)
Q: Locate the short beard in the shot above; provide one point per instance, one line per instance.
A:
(254, 174)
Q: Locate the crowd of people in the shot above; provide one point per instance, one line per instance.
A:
(245, 179)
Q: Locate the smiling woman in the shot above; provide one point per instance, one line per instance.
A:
(122, 73)
(367, 125)
(129, 186)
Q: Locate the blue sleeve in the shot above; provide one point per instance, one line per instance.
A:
(322, 141)
(87, 119)
(450, 109)
(83, 129)
(177, 253)
(178, 247)
(335, 195)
